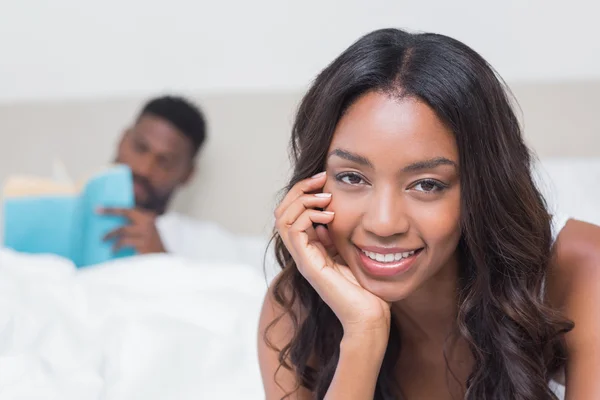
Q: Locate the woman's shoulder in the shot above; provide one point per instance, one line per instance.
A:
(277, 326)
(573, 287)
(577, 247)
(277, 319)
(575, 257)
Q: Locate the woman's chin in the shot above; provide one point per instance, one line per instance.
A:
(390, 292)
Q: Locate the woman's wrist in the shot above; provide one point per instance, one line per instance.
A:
(372, 341)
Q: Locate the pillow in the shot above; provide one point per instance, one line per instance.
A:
(571, 186)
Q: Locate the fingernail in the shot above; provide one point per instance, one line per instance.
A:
(328, 212)
(322, 194)
(320, 174)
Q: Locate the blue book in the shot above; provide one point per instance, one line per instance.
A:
(47, 217)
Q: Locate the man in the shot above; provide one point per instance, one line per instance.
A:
(161, 149)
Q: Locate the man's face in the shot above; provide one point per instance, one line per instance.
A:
(160, 157)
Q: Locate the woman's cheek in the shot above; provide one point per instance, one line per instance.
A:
(329, 188)
(338, 198)
(437, 221)
(347, 210)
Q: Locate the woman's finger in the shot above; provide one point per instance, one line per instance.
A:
(302, 203)
(305, 186)
(325, 238)
(306, 249)
(334, 283)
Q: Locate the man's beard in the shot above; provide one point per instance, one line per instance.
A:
(154, 202)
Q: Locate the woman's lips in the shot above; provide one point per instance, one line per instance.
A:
(379, 261)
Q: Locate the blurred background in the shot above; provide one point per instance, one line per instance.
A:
(73, 75)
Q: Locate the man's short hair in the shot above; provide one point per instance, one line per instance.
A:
(183, 114)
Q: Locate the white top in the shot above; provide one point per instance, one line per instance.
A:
(559, 221)
(208, 242)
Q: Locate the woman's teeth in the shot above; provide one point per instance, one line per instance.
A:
(386, 258)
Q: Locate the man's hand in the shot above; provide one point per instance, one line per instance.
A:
(140, 233)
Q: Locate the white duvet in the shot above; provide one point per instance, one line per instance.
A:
(152, 327)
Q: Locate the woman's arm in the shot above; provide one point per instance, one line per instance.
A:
(278, 382)
(574, 287)
(358, 368)
(356, 374)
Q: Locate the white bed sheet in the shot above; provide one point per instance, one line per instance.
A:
(151, 327)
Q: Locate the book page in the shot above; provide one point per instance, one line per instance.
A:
(25, 186)
(60, 173)
(61, 183)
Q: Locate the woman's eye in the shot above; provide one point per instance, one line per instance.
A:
(429, 186)
(350, 178)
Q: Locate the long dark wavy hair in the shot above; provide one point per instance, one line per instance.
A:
(516, 340)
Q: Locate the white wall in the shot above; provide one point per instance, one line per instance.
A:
(82, 48)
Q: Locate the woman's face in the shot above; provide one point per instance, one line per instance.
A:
(393, 172)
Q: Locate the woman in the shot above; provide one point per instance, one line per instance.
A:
(419, 259)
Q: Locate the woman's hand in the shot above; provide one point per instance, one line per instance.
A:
(359, 311)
